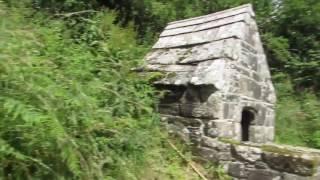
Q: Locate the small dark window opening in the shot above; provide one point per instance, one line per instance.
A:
(199, 93)
(247, 118)
(170, 93)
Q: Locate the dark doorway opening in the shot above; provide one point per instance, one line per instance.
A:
(247, 118)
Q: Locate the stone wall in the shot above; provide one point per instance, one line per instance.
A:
(244, 160)
(260, 162)
(214, 83)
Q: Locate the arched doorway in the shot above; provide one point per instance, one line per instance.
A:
(248, 115)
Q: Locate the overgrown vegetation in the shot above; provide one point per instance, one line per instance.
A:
(71, 108)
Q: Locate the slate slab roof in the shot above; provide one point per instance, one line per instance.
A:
(210, 49)
(206, 37)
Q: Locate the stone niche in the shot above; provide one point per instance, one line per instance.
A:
(217, 96)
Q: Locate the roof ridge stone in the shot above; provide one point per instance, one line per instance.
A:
(249, 6)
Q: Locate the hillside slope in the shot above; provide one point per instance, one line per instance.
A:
(71, 108)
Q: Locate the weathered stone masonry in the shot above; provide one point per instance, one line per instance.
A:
(215, 73)
(261, 161)
(217, 85)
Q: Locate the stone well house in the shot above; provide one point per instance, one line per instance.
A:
(218, 96)
(216, 78)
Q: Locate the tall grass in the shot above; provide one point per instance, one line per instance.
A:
(298, 115)
(69, 106)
